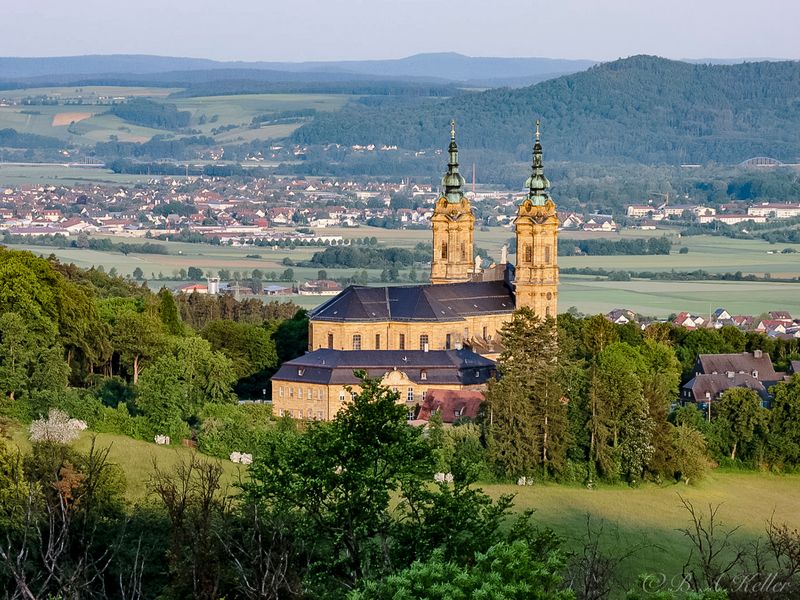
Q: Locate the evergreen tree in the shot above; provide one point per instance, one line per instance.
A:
(528, 415)
(168, 312)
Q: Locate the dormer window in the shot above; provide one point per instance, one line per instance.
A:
(423, 375)
(300, 372)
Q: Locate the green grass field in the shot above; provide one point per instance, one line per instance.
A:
(24, 174)
(589, 295)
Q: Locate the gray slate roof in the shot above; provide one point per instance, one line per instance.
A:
(326, 366)
(744, 362)
(444, 302)
(714, 385)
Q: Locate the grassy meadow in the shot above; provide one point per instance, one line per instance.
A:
(648, 517)
(588, 294)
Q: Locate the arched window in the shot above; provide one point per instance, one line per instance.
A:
(444, 250)
(528, 253)
(357, 341)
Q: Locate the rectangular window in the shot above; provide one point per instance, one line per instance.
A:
(280, 391)
(547, 254)
(448, 340)
(357, 342)
(330, 341)
(319, 415)
(444, 250)
(423, 341)
(309, 394)
(528, 253)
(291, 392)
(402, 341)
(410, 395)
(377, 341)
(341, 396)
(353, 395)
(486, 333)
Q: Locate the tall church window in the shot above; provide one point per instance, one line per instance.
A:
(330, 341)
(444, 250)
(423, 341)
(402, 341)
(528, 253)
(448, 342)
(377, 341)
(463, 251)
(357, 341)
(547, 254)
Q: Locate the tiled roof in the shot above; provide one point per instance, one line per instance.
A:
(714, 385)
(445, 302)
(744, 362)
(338, 366)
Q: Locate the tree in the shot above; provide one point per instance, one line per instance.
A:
(137, 337)
(690, 456)
(784, 423)
(194, 274)
(340, 477)
(138, 274)
(168, 312)
(287, 275)
(249, 346)
(739, 415)
(322, 274)
(528, 418)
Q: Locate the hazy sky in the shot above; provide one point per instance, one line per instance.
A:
(294, 30)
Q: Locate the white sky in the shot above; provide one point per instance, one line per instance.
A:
(295, 30)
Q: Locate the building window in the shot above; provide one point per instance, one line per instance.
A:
(402, 341)
(423, 375)
(357, 342)
(353, 396)
(528, 253)
(547, 311)
(310, 413)
(300, 372)
(291, 392)
(410, 395)
(547, 254)
(463, 251)
(477, 373)
(423, 341)
(330, 341)
(448, 341)
(341, 396)
(310, 395)
(319, 415)
(377, 341)
(280, 391)
(485, 332)
(444, 250)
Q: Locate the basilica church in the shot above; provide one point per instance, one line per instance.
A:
(441, 335)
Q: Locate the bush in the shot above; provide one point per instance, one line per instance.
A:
(226, 428)
(684, 250)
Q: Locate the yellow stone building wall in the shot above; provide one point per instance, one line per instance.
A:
(536, 276)
(453, 227)
(321, 402)
(483, 326)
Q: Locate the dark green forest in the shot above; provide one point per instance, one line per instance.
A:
(641, 109)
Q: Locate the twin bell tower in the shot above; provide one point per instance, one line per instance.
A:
(534, 277)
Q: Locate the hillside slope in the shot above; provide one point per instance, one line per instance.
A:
(641, 109)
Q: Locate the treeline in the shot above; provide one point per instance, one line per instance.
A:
(367, 258)
(148, 113)
(11, 138)
(84, 241)
(282, 116)
(609, 409)
(123, 165)
(672, 275)
(156, 148)
(606, 247)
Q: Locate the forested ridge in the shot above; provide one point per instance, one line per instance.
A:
(641, 109)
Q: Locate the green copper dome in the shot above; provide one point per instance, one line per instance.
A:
(537, 183)
(452, 180)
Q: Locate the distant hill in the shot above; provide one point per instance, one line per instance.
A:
(438, 67)
(640, 109)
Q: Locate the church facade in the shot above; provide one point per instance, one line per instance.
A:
(450, 326)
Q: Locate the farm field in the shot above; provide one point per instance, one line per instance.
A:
(588, 294)
(12, 174)
(648, 516)
(88, 123)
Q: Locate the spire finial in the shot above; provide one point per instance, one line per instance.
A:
(452, 181)
(537, 183)
(538, 123)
